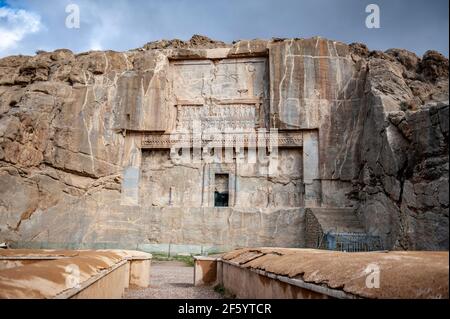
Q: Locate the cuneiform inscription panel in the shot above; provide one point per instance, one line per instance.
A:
(218, 117)
(283, 139)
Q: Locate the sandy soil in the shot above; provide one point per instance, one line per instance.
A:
(172, 280)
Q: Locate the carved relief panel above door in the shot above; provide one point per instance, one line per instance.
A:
(227, 93)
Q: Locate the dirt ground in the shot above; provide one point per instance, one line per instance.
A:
(172, 280)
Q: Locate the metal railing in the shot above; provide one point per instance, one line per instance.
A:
(352, 242)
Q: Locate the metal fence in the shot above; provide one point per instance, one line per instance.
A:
(352, 242)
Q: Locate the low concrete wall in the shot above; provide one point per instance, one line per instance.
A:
(205, 270)
(139, 273)
(249, 284)
(246, 283)
(281, 273)
(81, 274)
(311, 273)
(109, 286)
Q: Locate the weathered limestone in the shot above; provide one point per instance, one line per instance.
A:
(87, 158)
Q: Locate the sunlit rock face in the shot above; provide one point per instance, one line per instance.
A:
(207, 144)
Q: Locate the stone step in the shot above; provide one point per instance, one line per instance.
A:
(337, 219)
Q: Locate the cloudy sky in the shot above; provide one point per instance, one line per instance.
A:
(30, 25)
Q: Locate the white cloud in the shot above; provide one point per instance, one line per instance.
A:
(15, 25)
(122, 25)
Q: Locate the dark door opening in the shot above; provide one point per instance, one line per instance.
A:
(221, 192)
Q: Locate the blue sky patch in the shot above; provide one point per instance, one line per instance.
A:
(416, 25)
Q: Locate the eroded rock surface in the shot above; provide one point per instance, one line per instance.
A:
(71, 130)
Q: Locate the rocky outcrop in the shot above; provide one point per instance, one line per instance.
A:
(196, 42)
(403, 176)
(382, 119)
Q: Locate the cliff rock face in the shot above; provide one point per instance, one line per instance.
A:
(402, 181)
(74, 171)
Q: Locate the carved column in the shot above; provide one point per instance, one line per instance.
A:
(131, 170)
(311, 175)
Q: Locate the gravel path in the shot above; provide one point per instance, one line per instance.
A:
(172, 280)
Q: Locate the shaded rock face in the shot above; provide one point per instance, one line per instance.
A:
(76, 168)
(404, 152)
